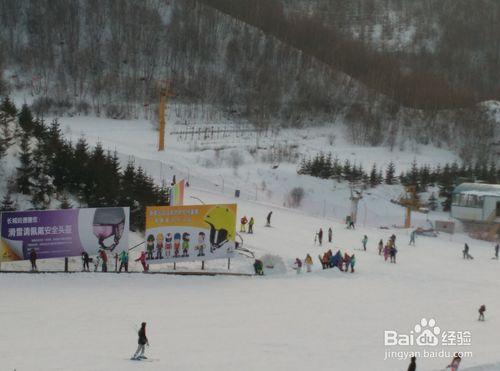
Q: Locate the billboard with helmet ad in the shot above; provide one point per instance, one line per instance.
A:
(190, 233)
(63, 233)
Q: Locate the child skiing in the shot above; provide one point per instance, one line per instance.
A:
(123, 261)
(243, 222)
(104, 259)
(308, 261)
(85, 261)
(159, 246)
(298, 265)
(168, 245)
(466, 252)
(392, 252)
(481, 311)
(142, 259)
(412, 237)
(352, 262)
(386, 251)
(142, 342)
(150, 246)
(330, 235)
(364, 241)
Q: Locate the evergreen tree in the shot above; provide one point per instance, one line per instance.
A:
(446, 186)
(25, 171)
(492, 174)
(389, 174)
(374, 176)
(42, 187)
(413, 176)
(347, 170)
(8, 107)
(25, 119)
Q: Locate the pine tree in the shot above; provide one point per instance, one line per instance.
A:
(26, 169)
(389, 174)
(446, 186)
(25, 119)
(374, 176)
(42, 187)
(8, 107)
(347, 170)
(492, 174)
(413, 176)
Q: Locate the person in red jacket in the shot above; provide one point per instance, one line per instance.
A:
(104, 259)
(142, 259)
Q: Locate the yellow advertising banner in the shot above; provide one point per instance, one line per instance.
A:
(189, 233)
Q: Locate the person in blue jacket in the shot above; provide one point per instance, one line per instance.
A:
(352, 262)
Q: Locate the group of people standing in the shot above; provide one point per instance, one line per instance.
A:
(342, 262)
(389, 250)
(319, 236)
(244, 221)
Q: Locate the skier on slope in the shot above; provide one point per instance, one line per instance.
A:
(352, 262)
(364, 241)
(320, 236)
(298, 265)
(85, 261)
(455, 363)
(104, 259)
(142, 259)
(330, 235)
(392, 252)
(413, 364)
(308, 262)
(380, 247)
(497, 247)
(142, 342)
(466, 252)
(33, 260)
(481, 311)
(412, 237)
(268, 219)
(123, 261)
(258, 267)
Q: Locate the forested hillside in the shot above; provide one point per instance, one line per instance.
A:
(265, 62)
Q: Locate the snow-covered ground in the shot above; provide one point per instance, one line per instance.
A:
(324, 320)
(321, 321)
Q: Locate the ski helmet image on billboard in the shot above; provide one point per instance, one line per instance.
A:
(63, 233)
(187, 233)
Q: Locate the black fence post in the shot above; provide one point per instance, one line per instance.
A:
(203, 265)
(66, 264)
(228, 263)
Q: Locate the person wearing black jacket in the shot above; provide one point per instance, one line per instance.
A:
(142, 342)
(85, 261)
(33, 260)
(413, 365)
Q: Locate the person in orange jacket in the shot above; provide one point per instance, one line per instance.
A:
(244, 222)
